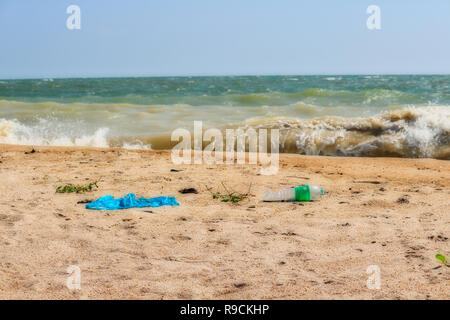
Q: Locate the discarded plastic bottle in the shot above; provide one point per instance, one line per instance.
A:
(303, 193)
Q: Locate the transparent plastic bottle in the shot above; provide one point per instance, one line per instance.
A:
(302, 193)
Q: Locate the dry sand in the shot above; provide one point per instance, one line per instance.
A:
(389, 212)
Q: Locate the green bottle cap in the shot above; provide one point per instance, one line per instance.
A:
(302, 193)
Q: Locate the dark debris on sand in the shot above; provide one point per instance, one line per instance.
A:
(188, 190)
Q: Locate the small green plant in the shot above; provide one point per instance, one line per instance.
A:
(70, 188)
(441, 257)
(228, 196)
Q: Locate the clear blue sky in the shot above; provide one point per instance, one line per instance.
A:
(222, 37)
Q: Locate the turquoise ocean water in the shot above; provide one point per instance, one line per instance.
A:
(406, 116)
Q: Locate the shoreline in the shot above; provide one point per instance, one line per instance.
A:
(410, 132)
(390, 212)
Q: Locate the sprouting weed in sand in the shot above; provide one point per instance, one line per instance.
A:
(69, 188)
(229, 196)
(442, 258)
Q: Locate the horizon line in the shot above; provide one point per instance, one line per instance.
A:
(224, 75)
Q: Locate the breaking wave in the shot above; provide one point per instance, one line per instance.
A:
(412, 132)
(422, 132)
(52, 133)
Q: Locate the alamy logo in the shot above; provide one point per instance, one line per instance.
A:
(374, 20)
(235, 139)
(73, 22)
(73, 281)
(374, 280)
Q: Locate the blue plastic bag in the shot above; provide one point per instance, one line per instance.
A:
(130, 201)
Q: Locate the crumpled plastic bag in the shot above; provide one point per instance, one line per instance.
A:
(130, 201)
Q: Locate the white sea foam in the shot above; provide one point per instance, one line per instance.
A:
(408, 132)
(49, 133)
(422, 132)
(412, 132)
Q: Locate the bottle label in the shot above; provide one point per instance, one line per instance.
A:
(302, 193)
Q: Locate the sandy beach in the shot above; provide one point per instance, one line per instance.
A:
(389, 212)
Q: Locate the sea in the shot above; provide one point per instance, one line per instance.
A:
(350, 115)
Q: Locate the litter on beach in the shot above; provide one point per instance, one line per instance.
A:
(302, 193)
(130, 201)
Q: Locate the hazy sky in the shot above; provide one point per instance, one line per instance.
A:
(222, 37)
